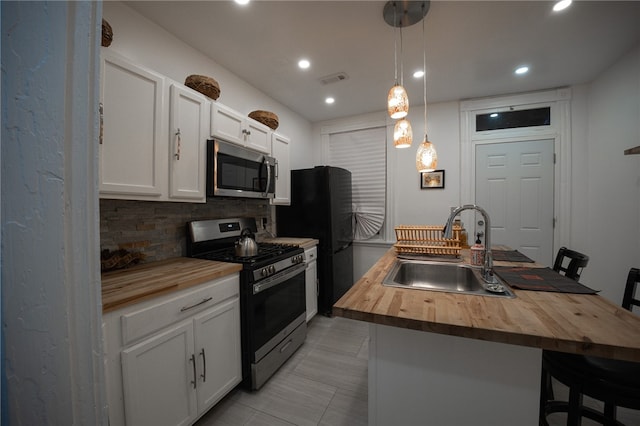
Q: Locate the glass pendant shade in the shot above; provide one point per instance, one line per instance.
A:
(402, 134)
(426, 157)
(397, 102)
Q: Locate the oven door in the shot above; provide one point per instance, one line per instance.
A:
(276, 306)
(234, 171)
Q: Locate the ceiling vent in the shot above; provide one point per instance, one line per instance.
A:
(333, 78)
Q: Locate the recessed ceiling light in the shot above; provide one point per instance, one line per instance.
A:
(522, 70)
(329, 100)
(242, 2)
(304, 64)
(561, 5)
(418, 74)
(493, 115)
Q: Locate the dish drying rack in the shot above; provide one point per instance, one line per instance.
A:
(427, 240)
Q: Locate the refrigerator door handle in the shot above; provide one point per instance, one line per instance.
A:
(344, 247)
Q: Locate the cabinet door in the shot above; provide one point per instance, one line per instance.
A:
(217, 343)
(280, 151)
(188, 136)
(133, 143)
(227, 124)
(258, 136)
(158, 379)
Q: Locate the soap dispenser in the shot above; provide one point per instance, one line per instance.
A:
(477, 252)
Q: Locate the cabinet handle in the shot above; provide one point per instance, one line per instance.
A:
(186, 308)
(101, 109)
(178, 145)
(246, 132)
(277, 169)
(193, 361)
(204, 366)
(284, 348)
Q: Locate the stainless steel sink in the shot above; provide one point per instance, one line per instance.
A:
(442, 276)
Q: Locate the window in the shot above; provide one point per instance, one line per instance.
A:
(513, 119)
(363, 153)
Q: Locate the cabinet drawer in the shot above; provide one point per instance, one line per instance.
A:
(148, 319)
(311, 254)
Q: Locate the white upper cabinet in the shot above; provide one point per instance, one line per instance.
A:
(154, 134)
(280, 147)
(133, 138)
(188, 123)
(236, 128)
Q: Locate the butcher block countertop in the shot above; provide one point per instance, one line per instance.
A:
(132, 285)
(305, 243)
(575, 323)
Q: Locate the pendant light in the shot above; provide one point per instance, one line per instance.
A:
(402, 134)
(397, 99)
(426, 156)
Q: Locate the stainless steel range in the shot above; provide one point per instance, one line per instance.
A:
(272, 293)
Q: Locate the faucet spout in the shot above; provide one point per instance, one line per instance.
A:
(487, 267)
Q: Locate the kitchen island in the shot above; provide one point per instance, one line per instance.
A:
(443, 358)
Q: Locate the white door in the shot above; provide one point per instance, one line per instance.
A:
(514, 183)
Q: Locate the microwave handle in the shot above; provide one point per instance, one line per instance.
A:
(266, 189)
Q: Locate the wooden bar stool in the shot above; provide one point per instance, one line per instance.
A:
(614, 382)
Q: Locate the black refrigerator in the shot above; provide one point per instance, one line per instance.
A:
(321, 209)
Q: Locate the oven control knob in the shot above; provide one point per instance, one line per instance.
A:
(264, 272)
(272, 269)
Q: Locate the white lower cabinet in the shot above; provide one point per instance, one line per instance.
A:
(311, 281)
(167, 372)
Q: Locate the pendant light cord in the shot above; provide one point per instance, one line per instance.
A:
(401, 57)
(395, 45)
(424, 65)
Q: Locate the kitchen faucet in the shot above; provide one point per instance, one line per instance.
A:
(487, 267)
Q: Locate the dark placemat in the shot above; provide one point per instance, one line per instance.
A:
(509, 256)
(540, 279)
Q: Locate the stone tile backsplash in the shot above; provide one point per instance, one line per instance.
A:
(157, 229)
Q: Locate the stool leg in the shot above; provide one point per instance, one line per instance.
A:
(574, 417)
(610, 414)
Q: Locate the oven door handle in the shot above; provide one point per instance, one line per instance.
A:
(279, 278)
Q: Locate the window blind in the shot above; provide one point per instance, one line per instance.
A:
(363, 153)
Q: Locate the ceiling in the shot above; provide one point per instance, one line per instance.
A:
(472, 47)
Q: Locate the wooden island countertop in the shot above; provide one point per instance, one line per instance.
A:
(576, 323)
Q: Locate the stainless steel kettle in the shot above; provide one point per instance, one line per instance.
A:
(246, 245)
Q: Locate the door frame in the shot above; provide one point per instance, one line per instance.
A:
(559, 100)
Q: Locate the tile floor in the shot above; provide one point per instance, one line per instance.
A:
(325, 383)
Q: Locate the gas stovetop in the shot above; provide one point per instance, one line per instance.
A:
(267, 252)
(215, 239)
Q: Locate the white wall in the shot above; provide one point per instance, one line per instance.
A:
(144, 42)
(50, 253)
(611, 210)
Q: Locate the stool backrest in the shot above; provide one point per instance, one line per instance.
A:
(576, 263)
(629, 300)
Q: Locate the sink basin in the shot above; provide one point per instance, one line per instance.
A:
(442, 276)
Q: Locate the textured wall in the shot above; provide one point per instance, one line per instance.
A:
(157, 229)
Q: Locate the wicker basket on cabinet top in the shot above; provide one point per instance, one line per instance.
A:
(427, 240)
(267, 118)
(203, 84)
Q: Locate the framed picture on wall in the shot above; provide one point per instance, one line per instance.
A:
(432, 180)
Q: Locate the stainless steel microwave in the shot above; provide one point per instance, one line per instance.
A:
(234, 171)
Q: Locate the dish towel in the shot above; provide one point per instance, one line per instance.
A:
(540, 279)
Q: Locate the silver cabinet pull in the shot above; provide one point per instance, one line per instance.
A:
(186, 308)
(178, 144)
(193, 361)
(101, 109)
(204, 365)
